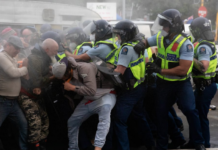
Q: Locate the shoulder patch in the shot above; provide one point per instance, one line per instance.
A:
(124, 51)
(202, 50)
(96, 46)
(189, 48)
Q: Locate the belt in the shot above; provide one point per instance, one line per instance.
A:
(204, 82)
(9, 97)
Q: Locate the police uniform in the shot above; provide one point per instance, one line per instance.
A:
(82, 48)
(172, 88)
(131, 99)
(105, 50)
(204, 93)
(173, 120)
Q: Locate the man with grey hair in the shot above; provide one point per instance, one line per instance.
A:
(31, 100)
(10, 88)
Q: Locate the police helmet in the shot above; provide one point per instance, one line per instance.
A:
(76, 35)
(171, 18)
(201, 29)
(101, 29)
(127, 30)
(52, 35)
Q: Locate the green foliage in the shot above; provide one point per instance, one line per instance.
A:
(186, 7)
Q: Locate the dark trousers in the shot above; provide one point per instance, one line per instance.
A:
(168, 93)
(177, 119)
(11, 110)
(127, 102)
(173, 131)
(203, 100)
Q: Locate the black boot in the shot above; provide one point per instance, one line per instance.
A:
(187, 146)
(43, 144)
(176, 144)
(34, 146)
(200, 147)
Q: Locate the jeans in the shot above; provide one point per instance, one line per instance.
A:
(84, 110)
(203, 100)
(127, 102)
(168, 93)
(11, 110)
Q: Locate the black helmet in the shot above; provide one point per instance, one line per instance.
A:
(172, 19)
(76, 35)
(201, 29)
(52, 35)
(101, 29)
(126, 29)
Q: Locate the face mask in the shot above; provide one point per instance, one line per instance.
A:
(53, 59)
(164, 33)
(92, 37)
(118, 43)
(72, 46)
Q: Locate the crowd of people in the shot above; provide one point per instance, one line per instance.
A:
(129, 81)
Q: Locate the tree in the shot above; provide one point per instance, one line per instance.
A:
(186, 7)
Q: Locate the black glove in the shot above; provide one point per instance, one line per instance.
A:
(152, 67)
(140, 47)
(196, 71)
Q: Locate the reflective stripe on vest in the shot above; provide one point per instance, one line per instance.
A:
(170, 57)
(79, 46)
(110, 58)
(149, 50)
(61, 55)
(137, 67)
(212, 66)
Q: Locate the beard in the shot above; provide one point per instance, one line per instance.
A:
(53, 59)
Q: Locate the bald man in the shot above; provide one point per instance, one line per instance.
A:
(30, 99)
(29, 39)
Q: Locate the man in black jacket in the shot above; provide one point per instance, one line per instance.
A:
(31, 98)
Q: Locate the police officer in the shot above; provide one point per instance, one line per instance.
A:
(175, 122)
(104, 45)
(173, 67)
(205, 62)
(131, 64)
(76, 36)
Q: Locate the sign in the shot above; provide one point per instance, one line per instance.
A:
(108, 11)
(202, 11)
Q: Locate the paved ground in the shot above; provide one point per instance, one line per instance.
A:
(213, 117)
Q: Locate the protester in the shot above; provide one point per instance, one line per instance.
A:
(31, 100)
(10, 87)
(97, 100)
(7, 32)
(29, 38)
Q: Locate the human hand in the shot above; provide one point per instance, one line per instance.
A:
(152, 67)
(25, 62)
(68, 86)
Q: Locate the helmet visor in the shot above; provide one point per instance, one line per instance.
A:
(117, 36)
(161, 22)
(90, 28)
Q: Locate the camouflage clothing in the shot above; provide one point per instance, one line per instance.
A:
(37, 118)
